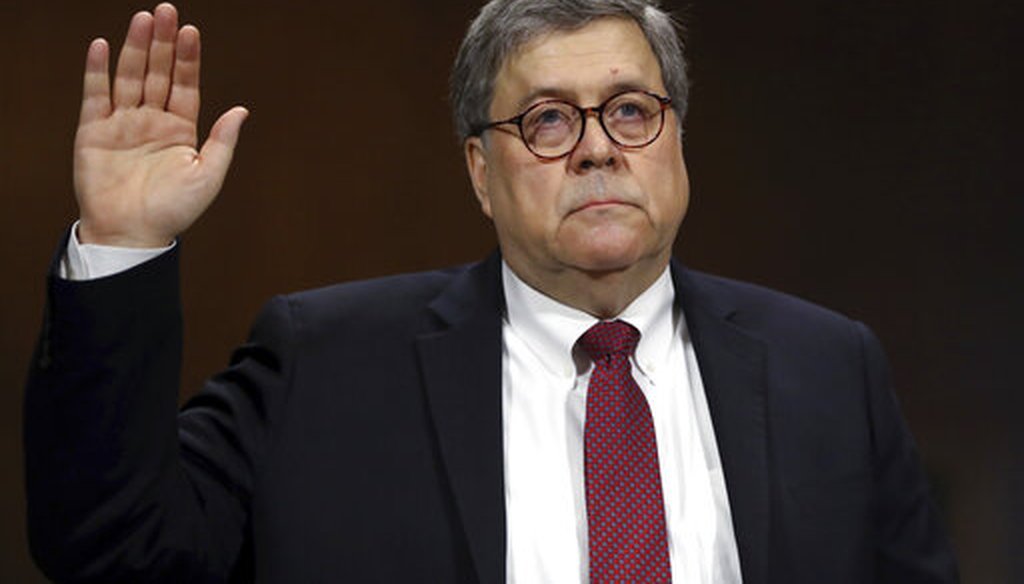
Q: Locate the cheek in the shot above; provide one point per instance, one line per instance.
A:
(678, 195)
(663, 176)
(529, 193)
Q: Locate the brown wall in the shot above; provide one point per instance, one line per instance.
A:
(858, 156)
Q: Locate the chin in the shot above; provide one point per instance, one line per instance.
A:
(607, 248)
(606, 260)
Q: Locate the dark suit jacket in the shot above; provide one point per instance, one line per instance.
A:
(357, 437)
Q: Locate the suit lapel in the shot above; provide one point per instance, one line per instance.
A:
(461, 364)
(731, 367)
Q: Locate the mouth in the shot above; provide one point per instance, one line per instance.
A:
(600, 205)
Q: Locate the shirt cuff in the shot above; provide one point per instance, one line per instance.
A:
(89, 261)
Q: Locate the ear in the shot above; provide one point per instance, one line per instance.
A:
(476, 164)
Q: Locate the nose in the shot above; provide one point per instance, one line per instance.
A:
(595, 149)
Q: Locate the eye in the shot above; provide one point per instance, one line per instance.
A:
(628, 110)
(548, 122)
(548, 126)
(632, 118)
(548, 117)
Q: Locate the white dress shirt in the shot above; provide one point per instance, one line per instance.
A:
(544, 397)
(544, 403)
(89, 261)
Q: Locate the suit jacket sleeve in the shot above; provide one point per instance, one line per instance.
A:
(911, 544)
(121, 488)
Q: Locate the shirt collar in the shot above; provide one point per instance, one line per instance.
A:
(551, 328)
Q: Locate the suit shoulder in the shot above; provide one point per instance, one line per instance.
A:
(389, 294)
(762, 307)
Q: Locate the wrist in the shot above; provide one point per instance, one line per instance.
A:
(87, 235)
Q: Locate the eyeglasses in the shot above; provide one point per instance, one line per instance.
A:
(552, 128)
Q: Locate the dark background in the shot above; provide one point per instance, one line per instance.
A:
(854, 153)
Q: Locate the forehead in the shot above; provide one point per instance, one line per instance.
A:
(586, 64)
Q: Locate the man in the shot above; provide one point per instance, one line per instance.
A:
(576, 408)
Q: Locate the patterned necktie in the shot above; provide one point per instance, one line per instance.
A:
(625, 511)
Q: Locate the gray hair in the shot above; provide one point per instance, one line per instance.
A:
(503, 26)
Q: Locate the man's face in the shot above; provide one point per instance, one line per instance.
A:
(602, 208)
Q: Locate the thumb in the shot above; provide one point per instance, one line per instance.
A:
(219, 147)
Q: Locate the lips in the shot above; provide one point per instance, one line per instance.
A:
(598, 204)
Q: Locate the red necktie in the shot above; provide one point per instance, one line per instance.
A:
(625, 511)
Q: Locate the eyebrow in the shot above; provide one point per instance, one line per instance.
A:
(568, 95)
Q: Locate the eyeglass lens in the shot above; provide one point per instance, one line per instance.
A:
(552, 128)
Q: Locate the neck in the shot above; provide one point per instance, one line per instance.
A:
(603, 294)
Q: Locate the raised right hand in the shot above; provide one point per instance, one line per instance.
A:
(139, 179)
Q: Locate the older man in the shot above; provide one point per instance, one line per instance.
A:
(574, 408)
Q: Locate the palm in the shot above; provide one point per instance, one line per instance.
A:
(139, 178)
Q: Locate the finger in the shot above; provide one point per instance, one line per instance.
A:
(216, 153)
(131, 64)
(161, 56)
(96, 83)
(184, 99)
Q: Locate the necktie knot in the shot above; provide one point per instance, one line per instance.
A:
(609, 337)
